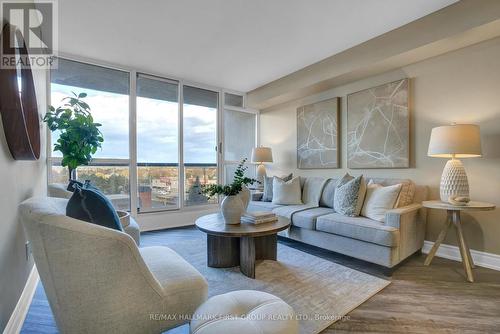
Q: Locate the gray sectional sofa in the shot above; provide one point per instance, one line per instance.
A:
(316, 223)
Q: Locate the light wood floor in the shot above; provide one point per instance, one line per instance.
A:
(434, 299)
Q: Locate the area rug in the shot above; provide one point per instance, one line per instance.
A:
(321, 292)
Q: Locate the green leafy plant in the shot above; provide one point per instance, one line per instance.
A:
(230, 189)
(79, 136)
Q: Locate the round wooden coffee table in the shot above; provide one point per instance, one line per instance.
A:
(242, 244)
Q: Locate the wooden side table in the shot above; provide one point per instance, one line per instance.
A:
(453, 216)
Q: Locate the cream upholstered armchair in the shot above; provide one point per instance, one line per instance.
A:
(98, 281)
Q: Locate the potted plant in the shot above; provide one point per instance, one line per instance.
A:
(79, 136)
(237, 195)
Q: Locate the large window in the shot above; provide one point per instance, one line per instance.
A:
(157, 143)
(199, 142)
(161, 138)
(240, 133)
(108, 95)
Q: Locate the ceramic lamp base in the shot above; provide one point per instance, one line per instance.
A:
(454, 181)
(261, 173)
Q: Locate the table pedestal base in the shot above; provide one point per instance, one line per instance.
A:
(453, 216)
(225, 252)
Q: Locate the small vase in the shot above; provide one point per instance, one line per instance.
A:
(232, 209)
(245, 197)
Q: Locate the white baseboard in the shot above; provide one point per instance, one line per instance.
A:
(21, 310)
(482, 259)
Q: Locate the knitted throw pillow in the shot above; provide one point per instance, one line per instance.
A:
(345, 200)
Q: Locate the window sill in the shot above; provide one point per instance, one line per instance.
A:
(194, 208)
(158, 220)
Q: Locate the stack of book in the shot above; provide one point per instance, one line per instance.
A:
(259, 217)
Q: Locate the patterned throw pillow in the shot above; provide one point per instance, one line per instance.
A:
(268, 186)
(406, 195)
(345, 200)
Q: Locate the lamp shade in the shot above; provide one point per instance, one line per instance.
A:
(457, 140)
(262, 154)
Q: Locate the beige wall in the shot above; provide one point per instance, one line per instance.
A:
(462, 86)
(19, 181)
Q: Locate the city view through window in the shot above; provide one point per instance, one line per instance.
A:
(158, 138)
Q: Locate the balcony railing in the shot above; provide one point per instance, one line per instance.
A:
(158, 183)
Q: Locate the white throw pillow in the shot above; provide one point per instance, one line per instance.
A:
(379, 200)
(287, 193)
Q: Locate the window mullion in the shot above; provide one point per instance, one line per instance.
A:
(133, 144)
(181, 182)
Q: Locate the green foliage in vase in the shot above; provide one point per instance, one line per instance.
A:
(230, 189)
(79, 136)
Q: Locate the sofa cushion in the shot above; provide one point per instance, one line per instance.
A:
(326, 199)
(288, 211)
(359, 228)
(307, 218)
(261, 206)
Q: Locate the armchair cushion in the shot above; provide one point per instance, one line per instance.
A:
(92, 206)
(181, 282)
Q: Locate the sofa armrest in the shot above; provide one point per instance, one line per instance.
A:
(411, 228)
(257, 196)
(396, 217)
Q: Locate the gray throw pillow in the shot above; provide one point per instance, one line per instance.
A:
(268, 187)
(346, 195)
(287, 193)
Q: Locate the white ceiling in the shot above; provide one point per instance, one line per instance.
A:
(236, 44)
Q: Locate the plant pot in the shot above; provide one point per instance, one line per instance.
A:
(232, 209)
(245, 197)
(124, 217)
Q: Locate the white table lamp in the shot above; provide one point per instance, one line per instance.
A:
(455, 141)
(261, 155)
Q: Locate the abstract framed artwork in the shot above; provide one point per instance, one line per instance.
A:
(318, 135)
(378, 126)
